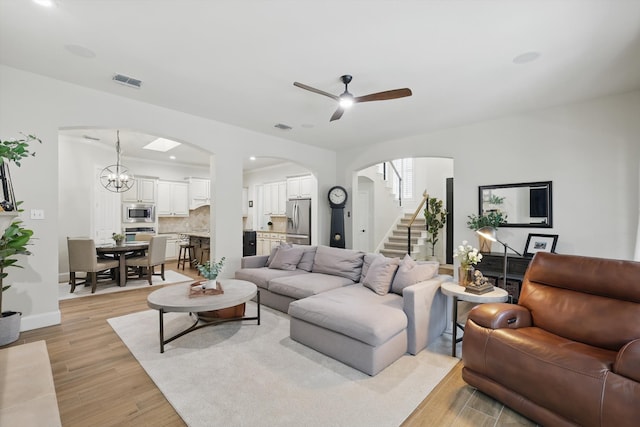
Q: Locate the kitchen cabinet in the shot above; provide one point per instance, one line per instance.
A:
(142, 191)
(199, 192)
(173, 199)
(299, 187)
(266, 241)
(173, 247)
(274, 198)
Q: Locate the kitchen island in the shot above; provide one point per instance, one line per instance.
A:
(200, 240)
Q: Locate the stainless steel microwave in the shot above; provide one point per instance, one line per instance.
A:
(138, 212)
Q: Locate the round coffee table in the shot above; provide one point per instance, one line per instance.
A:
(459, 293)
(176, 298)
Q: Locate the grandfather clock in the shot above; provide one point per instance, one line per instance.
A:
(337, 201)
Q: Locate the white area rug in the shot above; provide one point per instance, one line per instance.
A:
(170, 276)
(242, 374)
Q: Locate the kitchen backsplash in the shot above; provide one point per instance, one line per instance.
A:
(198, 220)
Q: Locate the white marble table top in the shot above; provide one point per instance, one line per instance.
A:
(453, 289)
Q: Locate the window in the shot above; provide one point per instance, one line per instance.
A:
(405, 168)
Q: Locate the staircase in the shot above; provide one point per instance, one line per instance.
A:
(396, 244)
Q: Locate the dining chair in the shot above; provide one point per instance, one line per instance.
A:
(155, 256)
(83, 258)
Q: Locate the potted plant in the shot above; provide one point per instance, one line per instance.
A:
(14, 238)
(492, 219)
(118, 238)
(436, 218)
(210, 272)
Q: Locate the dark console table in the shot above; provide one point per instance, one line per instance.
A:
(492, 267)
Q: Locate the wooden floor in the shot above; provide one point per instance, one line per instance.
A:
(99, 383)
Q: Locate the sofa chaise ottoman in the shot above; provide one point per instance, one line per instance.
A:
(370, 325)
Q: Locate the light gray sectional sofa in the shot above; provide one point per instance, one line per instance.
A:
(365, 310)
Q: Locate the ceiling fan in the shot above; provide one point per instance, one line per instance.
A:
(346, 99)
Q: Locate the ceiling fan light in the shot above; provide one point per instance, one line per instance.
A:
(346, 100)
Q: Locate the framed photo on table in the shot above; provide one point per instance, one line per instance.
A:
(540, 243)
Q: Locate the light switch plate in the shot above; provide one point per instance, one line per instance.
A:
(37, 213)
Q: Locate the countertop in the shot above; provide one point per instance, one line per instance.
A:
(202, 234)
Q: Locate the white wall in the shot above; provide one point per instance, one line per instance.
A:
(42, 106)
(590, 151)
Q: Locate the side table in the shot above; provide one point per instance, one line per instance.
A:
(458, 293)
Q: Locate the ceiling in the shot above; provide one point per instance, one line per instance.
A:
(236, 61)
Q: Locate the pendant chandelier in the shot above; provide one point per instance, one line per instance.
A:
(116, 177)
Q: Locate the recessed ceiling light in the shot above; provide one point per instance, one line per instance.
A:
(45, 3)
(80, 51)
(252, 158)
(172, 157)
(161, 144)
(282, 126)
(526, 57)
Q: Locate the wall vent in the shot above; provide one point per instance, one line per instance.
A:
(283, 126)
(127, 81)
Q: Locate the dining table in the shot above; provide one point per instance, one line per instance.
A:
(121, 252)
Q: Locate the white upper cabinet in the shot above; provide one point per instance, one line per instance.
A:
(173, 198)
(199, 193)
(299, 187)
(143, 191)
(274, 200)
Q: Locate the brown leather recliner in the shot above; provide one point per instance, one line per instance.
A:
(569, 352)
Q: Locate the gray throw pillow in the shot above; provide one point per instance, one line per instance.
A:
(380, 274)
(274, 250)
(345, 263)
(411, 272)
(306, 262)
(368, 259)
(286, 258)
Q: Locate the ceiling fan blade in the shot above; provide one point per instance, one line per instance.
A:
(381, 96)
(339, 112)
(318, 91)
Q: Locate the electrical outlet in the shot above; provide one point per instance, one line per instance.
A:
(37, 213)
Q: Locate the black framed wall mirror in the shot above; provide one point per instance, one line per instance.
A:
(528, 204)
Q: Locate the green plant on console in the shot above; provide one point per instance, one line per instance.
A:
(13, 242)
(210, 271)
(492, 219)
(436, 218)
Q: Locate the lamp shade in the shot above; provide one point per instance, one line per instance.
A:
(489, 233)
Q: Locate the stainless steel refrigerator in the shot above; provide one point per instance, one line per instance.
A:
(299, 221)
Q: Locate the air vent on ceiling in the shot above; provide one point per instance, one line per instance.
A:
(127, 81)
(282, 126)
(90, 138)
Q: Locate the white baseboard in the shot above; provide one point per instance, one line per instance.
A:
(42, 320)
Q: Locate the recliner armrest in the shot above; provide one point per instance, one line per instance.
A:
(627, 361)
(500, 315)
(254, 261)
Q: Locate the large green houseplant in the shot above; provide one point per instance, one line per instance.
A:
(436, 218)
(14, 238)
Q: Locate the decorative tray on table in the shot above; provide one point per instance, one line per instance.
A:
(197, 289)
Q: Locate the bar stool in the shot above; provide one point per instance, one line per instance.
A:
(204, 256)
(186, 254)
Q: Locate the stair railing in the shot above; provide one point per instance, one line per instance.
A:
(425, 197)
(384, 176)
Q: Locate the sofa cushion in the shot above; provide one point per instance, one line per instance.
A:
(411, 272)
(306, 262)
(306, 285)
(380, 274)
(354, 311)
(286, 258)
(261, 276)
(273, 252)
(367, 260)
(338, 262)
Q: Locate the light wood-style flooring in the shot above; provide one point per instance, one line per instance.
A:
(99, 383)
